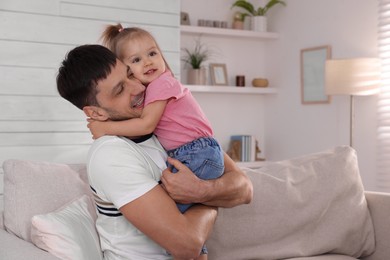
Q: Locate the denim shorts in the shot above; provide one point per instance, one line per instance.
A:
(203, 156)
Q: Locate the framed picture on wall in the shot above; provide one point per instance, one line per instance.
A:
(218, 74)
(313, 74)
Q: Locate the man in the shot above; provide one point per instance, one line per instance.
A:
(137, 217)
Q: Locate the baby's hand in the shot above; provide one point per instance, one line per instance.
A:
(96, 128)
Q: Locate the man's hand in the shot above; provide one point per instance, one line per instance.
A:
(233, 188)
(183, 186)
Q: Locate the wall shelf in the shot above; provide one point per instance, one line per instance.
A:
(230, 89)
(186, 29)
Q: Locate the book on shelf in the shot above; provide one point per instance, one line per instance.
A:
(243, 148)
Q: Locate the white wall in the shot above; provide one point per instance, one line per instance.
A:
(350, 28)
(293, 129)
(35, 122)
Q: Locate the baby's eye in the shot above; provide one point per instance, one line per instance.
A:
(136, 60)
(153, 53)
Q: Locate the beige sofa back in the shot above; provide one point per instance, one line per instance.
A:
(310, 205)
(305, 206)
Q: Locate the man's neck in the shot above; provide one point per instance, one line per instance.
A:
(142, 138)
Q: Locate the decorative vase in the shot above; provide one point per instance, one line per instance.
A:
(259, 23)
(238, 25)
(260, 82)
(196, 76)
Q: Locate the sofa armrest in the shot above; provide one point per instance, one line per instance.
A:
(379, 206)
(15, 248)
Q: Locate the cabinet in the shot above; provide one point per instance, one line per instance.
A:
(247, 110)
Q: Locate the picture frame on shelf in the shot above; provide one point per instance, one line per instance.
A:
(313, 74)
(218, 74)
(184, 18)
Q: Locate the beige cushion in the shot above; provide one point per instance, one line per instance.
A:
(324, 257)
(14, 248)
(69, 232)
(32, 188)
(306, 206)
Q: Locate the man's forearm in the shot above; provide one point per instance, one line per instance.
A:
(183, 235)
(202, 219)
(232, 189)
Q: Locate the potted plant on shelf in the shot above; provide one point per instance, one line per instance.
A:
(195, 58)
(258, 18)
(238, 20)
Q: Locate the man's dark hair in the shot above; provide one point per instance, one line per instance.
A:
(80, 71)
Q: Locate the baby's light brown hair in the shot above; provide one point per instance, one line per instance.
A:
(114, 36)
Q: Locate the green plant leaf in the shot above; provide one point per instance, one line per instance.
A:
(271, 3)
(247, 6)
(260, 11)
(196, 57)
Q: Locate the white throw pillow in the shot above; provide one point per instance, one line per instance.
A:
(33, 188)
(68, 233)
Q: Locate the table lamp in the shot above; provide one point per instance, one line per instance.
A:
(353, 77)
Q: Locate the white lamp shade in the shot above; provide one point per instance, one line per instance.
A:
(352, 76)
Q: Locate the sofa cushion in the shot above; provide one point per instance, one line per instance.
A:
(324, 257)
(14, 248)
(32, 188)
(69, 232)
(306, 206)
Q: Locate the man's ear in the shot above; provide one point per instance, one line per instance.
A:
(95, 113)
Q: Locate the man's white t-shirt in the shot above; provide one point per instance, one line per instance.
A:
(119, 172)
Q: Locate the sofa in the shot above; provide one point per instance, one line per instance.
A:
(312, 207)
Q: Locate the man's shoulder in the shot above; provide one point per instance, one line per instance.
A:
(111, 146)
(115, 145)
(111, 140)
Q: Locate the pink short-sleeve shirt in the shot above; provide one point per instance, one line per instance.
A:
(183, 119)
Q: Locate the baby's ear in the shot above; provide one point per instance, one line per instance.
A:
(95, 113)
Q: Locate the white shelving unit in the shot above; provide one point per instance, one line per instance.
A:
(238, 35)
(224, 32)
(230, 89)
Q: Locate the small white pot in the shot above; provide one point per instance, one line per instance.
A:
(259, 23)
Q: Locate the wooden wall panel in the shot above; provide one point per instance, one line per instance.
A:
(50, 29)
(152, 6)
(49, 108)
(36, 6)
(27, 81)
(44, 126)
(35, 55)
(35, 123)
(115, 14)
(51, 153)
(45, 138)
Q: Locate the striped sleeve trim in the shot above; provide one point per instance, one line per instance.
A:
(105, 207)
